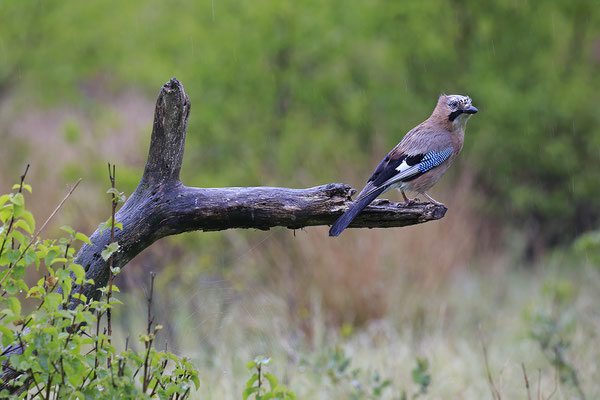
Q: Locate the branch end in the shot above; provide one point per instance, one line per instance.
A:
(168, 134)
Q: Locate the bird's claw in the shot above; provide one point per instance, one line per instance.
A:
(409, 202)
(432, 200)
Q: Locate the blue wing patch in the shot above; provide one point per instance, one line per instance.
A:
(387, 172)
(433, 159)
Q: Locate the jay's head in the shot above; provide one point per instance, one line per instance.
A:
(455, 108)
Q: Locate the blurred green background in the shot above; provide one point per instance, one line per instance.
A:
(304, 93)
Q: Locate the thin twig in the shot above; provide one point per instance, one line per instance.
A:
(556, 372)
(121, 371)
(494, 390)
(33, 377)
(526, 381)
(39, 392)
(148, 342)
(39, 231)
(12, 220)
(539, 388)
(64, 267)
(98, 321)
(162, 371)
(48, 386)
(111, 275)
(259, 367)
(149, 300)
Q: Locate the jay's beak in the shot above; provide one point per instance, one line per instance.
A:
(471, 110)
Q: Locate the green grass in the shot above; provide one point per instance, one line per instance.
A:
(222, 329)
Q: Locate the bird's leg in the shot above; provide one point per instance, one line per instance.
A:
(434, 201)
(407, 201)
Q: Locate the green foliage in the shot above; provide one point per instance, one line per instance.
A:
(552, 328)
(285, 88)
(119, 197)
(421, 376)
(67, 352)
(355, 384)
(255, 386)
(588, 245)
(110, 250)
(108, 224)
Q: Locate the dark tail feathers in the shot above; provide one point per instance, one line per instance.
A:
(346, 218)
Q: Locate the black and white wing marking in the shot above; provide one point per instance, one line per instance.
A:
(392, 169)
(404, 168)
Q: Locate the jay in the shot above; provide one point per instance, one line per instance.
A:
(419, 160)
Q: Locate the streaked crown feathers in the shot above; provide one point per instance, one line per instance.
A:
(457, 101)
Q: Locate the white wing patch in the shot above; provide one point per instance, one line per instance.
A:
(403, 166)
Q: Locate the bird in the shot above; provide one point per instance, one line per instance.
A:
(419, 160)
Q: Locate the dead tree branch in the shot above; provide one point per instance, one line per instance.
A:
(162, 206)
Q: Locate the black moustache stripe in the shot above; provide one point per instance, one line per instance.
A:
(454, 114)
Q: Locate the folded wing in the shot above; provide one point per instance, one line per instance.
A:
(403, 168)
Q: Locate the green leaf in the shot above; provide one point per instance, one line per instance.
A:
(8, 336)
(18, 199)
(5, 213)
(23, 225)
(102, 226)
(252, 379)
(119, 196)
(272, 380)
(35, 291)
(78, 271)
(28, 217)
(196, 381)
(58, 259)
(3, 199)
(80, 236)
(248, 391)
(19, 237)
(110, 250)
(80, 296)
(68, 229)
(52, 301)
(14, 305)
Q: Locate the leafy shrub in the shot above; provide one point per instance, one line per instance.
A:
(60, 340)
(256, 388)
(358, 385)
(553, 329)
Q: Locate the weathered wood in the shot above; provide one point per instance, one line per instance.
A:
(162, 206)
(174, 209)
